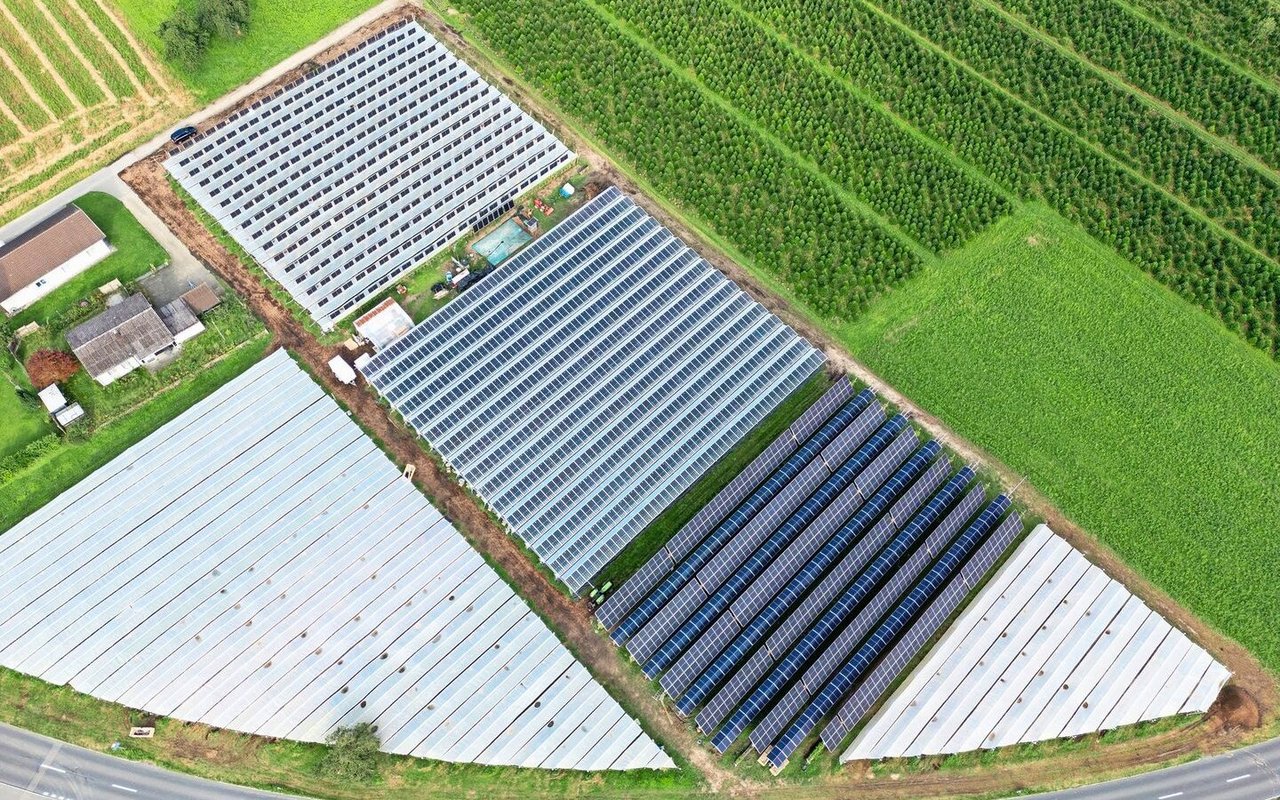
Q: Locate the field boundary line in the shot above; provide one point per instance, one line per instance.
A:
(968, 168)
(75, 50)
(1227, 59)
(110, 49)
(1157, 104)
(856, 202)
(34, 47)
(157, 72)
(969, 69)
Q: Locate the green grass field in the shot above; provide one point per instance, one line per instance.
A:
(1140, 417)
(276, 31)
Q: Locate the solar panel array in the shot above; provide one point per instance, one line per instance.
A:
(347, 178)
(592, 379)
(259, 565)
(1051, 647)
(835, 556)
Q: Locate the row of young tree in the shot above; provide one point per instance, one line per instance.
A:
(1246, 30)
(782, 216)
(1036, 159)
(1063, 88)
(1204, 87)
(189, 31)
(915, 187)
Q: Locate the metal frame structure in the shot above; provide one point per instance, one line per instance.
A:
(347, 178)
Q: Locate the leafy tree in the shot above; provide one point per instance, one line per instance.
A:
(224, 17)
(47, 367)
(353, 753)
(185, 38)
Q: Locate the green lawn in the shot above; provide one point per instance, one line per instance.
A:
(22, 423)
(1139, 416)
(276, 31)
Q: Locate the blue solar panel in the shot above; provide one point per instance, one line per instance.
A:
(846, 540)
(834, 635)
(892, 665)
(820, 632)
(883, 636)
(624, 598)
(774, 545)
(725, 531)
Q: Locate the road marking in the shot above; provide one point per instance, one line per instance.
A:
(1237, 778)
(124, 788)
(1167, 796)
(52, 767)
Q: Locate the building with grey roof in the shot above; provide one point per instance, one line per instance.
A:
(120, 339)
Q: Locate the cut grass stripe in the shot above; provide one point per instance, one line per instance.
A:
(39, 77)
(91, 46)
(120, 42)
(37, 25)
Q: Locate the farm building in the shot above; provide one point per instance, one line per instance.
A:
(349, 177)
(120, 339)
(384, 323)
(280, 576)
(587, 383)
(47, 256)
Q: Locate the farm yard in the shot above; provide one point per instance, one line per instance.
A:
(992, 121)
(76, 89)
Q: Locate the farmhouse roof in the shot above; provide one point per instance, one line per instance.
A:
(129, 328)
(44, 248)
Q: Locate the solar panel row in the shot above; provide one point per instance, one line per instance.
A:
(620, 602)
(899, 619)
(729, 527)
(775, 616)
(347, 178)
(591, 380)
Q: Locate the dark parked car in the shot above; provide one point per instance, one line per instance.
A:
(182, 134)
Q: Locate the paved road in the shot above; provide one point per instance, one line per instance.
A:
(1252, 773)
(33, 766)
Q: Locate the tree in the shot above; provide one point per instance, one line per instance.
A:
(184, 37)
(353, 753)
(47, 367)
(224, 17)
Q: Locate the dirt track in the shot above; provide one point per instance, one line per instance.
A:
(1238, 714)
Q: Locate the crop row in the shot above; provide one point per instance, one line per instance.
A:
(1207, 89)
(41, 82)
(37, 25)
(1246, 30)
(116, 37)
(1079, 98)
(92, 46)
(893, 170)
(1035, 159)
(778, 213)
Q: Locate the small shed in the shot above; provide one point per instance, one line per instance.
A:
(342, 370)
(385, 323)
(52, 398)
(201, 298)
(180, 320)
